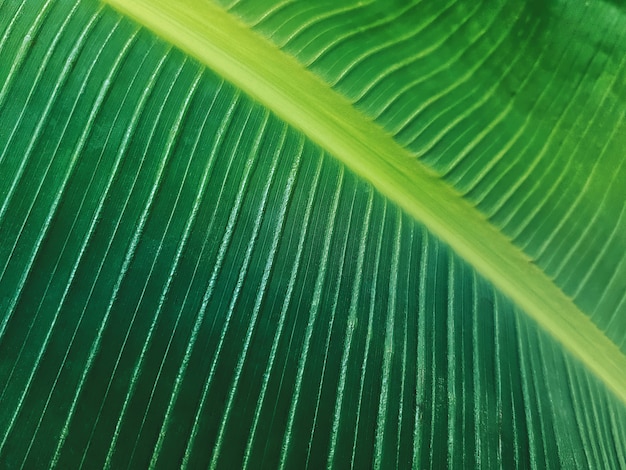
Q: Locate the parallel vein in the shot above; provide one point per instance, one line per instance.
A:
(277, 80)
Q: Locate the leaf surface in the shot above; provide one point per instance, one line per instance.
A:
(189, 277)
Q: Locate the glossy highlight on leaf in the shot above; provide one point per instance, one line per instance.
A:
(312, 234)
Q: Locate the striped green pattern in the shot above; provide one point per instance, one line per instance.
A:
(519, 105)
(187, 280)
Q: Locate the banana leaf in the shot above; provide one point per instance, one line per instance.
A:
(289, 234)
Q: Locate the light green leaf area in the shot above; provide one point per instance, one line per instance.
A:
(335, 235)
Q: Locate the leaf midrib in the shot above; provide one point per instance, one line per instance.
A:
(249, 61)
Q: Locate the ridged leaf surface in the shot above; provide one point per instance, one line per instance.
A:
(188, 278)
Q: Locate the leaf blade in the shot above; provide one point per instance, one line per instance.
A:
(206, 32)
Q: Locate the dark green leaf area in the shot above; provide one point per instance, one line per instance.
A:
(184, 280)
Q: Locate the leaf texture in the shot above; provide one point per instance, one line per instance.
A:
(507, 101)
(185, 280)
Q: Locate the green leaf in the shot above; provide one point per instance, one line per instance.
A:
(368, 234)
